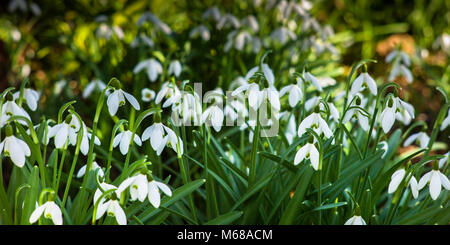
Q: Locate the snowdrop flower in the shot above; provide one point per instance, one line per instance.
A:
(250, 22)
(14, 148)
(142, 39)
(50, 211)
(84, 145)
(384, 147)
(326, 81)
(291, 130)
(235, 109)
(227, 21)
(364, 80)
(387, 117)
(106, 32)
(446, 121)
(316, 123)
(309, 78)
(124, 139)
(435, 179)
(160, 135)
(308, 151)
(10, 108)
(187, 105)
(158, 24)
(17, 4)
(399, 56)
(147, 94)
(59, 86)
(67, 130)
(152, 67)
(237, 82)
(404, 112)
(442, 42)
(144, 186)
(239, 39)
(400, 70)
(397, 178)
(282, 35)
(356, 219)
(334, 112)
(31, 97)
(94, 85)
(268, 73)
(175, 68)
(444, 160)
(255, 95)
(201, 31)
(312, 102)
(43, 140)
(109, 204)
(421, 139)
(295, 93)
(213, 13)
(215, 116)
(95, 166)
(170, 91)
(117, 99)
(356, 113)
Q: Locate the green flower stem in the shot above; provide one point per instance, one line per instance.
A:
(210, 188)
(319, 197)
(186, 179)
(436, 127)
(63, 157)
(74, 161)
(91, 149)
(252, 175)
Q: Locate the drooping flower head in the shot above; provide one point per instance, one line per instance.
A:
(117, 99)
(14, 148)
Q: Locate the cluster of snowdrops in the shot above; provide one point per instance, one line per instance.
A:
(320, 127)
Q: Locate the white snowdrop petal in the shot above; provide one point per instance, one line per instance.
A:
(164, 188)
(396, 179)
(113, 103)
(268, 74)
(444, 181)
(101, 209)
(36, 214)
(153, 194)
(357, 84)
(125, 184)
(132, 100)
(435, 185)
(147, 132)
(350, 221)
(414, 189)
(88, 89)
(61, 136)
(162, 145)
(125, 143)
(56, 214)
(300, 155)
(137, 140)
(387, 119)
(16, 153)
(82, 171)
(410, 139)
(156, 136)
(424, 180)
(121, 218)
(314, 157)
